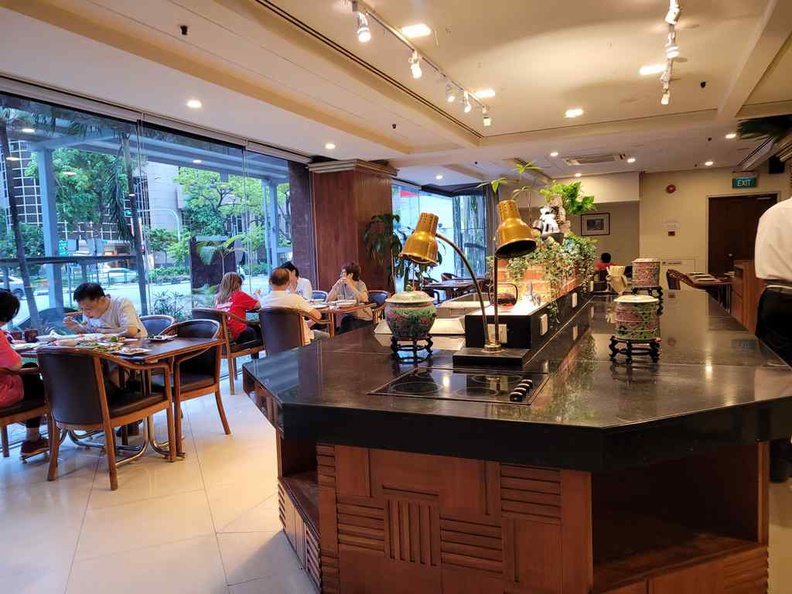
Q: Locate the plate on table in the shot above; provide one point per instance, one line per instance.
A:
(130, 351)
(346, 302)
(319, 305)
(25, 346)
(161, 338)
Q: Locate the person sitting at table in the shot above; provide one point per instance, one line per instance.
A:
(279, 297)
(105, 314)
(19, 382)
(232, 299)
(604, 263)
(349, 286)
(297, 284)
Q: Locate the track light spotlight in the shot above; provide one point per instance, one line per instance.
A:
(487, 120)
(666, 99)
(672, 17)
(363, 31)
(415, 65)
(466, 102)
(450, 93)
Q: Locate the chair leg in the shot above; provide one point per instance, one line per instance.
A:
(171, 434)
(110, 448)
(221, 410)
(232, 375)
(55, 441)
(4, 437)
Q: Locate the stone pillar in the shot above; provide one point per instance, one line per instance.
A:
(302, 219)
(346, 194)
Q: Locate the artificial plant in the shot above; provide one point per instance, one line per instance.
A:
(571, 200)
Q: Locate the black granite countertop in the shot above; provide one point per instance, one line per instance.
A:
(715, 385)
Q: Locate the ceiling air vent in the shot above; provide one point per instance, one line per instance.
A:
(593, 159)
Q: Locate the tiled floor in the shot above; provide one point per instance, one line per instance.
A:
(208, 524)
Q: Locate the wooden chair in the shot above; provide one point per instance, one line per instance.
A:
(231, 350)
(77, 393)
(320, 295)
(155, 324)
(198, 374)
(282, 329)
(378, 296)
(674, 279)
(19, 413)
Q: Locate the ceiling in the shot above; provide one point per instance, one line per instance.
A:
(291, 73)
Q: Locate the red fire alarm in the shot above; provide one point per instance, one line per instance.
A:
(670, 188)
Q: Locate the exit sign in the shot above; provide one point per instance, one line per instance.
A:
(744, 181)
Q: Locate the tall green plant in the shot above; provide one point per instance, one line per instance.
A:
(571, 200)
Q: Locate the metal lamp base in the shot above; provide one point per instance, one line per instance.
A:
(480, 357)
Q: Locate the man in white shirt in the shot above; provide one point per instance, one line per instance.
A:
(279, 297)
(105, 314)
(297, 284)
(773, 260)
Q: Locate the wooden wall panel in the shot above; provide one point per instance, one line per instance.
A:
(335, 220)
(344, 201)
(353, 472)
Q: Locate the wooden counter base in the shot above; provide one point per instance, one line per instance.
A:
(392, 522)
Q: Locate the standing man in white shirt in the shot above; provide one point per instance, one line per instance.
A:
(773, 259)
(279, 297)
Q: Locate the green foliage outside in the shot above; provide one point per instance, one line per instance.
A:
(213, 202)
(91, 190)
(32, 236)
(171, 303)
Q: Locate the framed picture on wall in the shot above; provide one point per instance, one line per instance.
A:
(595, 224)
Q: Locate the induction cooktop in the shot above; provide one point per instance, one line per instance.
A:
(500, 387)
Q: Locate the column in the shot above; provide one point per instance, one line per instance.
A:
(346, 194)
(49, 216)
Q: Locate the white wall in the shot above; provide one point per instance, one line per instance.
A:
(689, 207)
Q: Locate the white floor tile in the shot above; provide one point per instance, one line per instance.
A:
(38, 580)
(132, 526)
(188, 567)
(262, 518)
(255, 555)
(291, 582)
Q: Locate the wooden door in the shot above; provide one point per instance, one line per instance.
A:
(732, 228)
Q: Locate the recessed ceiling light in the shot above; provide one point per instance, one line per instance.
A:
(330, 146)
(651, 69)
(709, 163)
(12, 158)
(438, 177)
(631, 160)
(554, 154)
(418, 30)
(194, 104)
(731, 135)
(69, 173)
(578, 174)
(575, 112)
(485, 93)
(197, 161)
(28, 130)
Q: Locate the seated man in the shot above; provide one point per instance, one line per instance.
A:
(279, 297)
(604, 263)
(105, 314)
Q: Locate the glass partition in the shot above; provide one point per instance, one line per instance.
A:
(152, 214)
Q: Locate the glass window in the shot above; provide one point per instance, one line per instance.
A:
(462, 219)
(152, 214)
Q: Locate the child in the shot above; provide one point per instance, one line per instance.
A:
(18, 383)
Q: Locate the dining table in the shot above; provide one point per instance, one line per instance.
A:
(718, 287)
(156, 351)
(452, 288)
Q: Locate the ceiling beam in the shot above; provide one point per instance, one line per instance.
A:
(767, 41)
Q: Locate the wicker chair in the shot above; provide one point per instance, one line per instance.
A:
(378, 296)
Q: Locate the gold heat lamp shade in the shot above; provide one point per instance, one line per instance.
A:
(421, 245)
(513, 238)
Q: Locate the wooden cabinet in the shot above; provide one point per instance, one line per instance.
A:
(746, 291)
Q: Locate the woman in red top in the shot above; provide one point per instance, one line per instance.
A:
(18, 383)
(232, 299)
